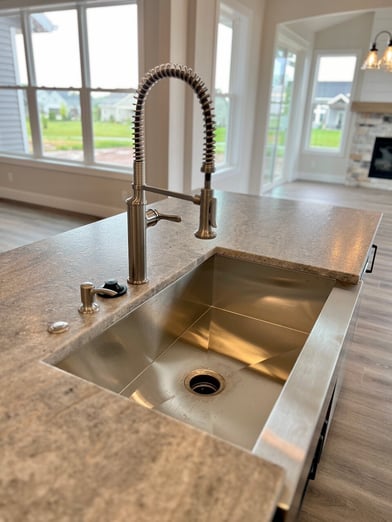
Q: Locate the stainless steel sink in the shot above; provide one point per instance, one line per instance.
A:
(214, 349)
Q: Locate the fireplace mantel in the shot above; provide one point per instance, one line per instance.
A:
(374, 107)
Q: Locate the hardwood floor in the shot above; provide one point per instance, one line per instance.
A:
(354, 479)
(22, 223)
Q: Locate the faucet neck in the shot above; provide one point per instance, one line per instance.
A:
(193, 80)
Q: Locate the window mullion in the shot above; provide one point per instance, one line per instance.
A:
(28, 44)
(85, 91)
(31, 89)
(229, 137)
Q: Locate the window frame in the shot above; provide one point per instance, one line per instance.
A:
(269, 179)
(239, 18)
(228, 20)
(340, 151)
(88, 164)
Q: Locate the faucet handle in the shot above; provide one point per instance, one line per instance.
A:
(153, 216)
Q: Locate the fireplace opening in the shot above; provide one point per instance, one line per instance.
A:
(381, 164)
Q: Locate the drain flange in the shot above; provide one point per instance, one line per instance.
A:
(204, 382)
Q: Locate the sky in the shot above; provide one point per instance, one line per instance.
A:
(223, 58)
(336, 69)
(112, 38)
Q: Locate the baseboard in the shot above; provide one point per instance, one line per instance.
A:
(323, 178)
(82, 207)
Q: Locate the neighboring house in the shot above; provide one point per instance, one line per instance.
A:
(12, 103)
(14, 138)
(336, 111)
(331, 101)
(58, 105)
(115, 107)
(221, 111)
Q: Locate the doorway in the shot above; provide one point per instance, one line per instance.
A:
(279, 116)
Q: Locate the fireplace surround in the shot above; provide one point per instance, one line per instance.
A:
(372, 120)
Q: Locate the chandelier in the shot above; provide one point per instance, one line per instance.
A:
(373, 62)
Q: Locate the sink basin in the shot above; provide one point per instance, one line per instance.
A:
(214, 349)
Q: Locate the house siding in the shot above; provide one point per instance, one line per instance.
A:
(13, 137)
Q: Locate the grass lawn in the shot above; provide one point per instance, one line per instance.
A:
(325, 138)
(320, 138)
(67, 135)
(220, 138)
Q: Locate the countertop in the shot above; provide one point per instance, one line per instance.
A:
(72, 451)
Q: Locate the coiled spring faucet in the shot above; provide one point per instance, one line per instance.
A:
(138, 217)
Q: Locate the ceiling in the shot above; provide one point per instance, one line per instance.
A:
(306, 27)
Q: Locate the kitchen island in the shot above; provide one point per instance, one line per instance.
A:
(73, 451)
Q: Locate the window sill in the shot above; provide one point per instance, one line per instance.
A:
(108, 172)
(324, 151)
(224, 169)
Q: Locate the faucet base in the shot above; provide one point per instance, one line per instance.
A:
(207, 220)
(133, 282)
(205, 234)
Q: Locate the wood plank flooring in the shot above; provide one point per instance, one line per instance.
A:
(22, 223)
(354, 479)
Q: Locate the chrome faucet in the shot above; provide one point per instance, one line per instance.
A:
(139, 219)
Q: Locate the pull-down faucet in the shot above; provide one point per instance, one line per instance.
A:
(138, 217)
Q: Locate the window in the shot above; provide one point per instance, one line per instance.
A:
(279, 114)
(67, 79)
(230, 81)
(330, 101)
(222, 87)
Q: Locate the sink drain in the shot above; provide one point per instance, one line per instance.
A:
(204, 382)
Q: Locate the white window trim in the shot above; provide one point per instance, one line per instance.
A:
(239, 17)
(292, 42)
(324, 151)
(284, 45)
(88, 165)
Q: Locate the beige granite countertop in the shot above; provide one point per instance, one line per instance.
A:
(70, 450)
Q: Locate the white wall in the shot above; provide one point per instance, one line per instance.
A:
(89, 191)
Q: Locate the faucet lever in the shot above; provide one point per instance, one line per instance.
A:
(153, 216)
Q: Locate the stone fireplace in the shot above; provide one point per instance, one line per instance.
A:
(373, 120)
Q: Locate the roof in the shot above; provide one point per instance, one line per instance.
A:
(339, 100)
(116, 99)
(329, 90)
(41, 23)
